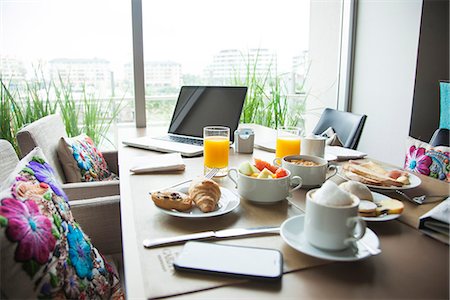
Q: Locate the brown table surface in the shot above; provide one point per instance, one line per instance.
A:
(411, 265)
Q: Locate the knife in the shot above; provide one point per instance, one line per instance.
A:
(226, 233)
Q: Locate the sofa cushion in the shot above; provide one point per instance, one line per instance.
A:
(82, 161)
(44, 251)
(427, 160)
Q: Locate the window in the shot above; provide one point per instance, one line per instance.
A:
(201, 42)
(80, 46)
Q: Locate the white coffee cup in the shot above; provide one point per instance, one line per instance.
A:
(313, 145)
(332, 227)
(264, 190)
(312, 175)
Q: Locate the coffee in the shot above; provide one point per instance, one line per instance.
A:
(331, 219)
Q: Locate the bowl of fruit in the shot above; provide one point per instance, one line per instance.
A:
(262, 182)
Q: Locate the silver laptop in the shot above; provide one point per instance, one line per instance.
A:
(197, 107)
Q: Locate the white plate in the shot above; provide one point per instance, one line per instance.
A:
(228, 201)
(376, 198)
(414, 181)
(292, 233)
(330, 157)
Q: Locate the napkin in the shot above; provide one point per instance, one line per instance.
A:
(435, 223)
(332, 138)
(344, 153)
(159, 163)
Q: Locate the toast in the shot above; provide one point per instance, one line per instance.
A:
(366, 173)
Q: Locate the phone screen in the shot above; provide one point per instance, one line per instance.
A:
(248, 262)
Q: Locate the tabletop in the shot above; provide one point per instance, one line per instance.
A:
(411, 264)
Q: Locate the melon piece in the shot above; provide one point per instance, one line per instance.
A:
(246, 168)
(265, 173)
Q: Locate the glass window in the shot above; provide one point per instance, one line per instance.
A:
(57, 51)
(260, 44)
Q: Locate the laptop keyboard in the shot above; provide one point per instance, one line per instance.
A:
(180, 139)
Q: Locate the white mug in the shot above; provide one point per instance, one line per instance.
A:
(332, 227)
(312, 175)
(264, 190)
(314, 146)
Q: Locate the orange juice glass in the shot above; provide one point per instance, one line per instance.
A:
(216, 147)
(288, 141)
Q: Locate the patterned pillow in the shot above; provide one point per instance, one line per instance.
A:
(44, 252)
(82, 161)
(428, 160)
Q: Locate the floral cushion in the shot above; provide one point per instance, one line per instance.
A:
(82, 161)
(428, 160)
(44, 251)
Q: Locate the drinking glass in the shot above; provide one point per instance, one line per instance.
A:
(288, 141)
(216, 146)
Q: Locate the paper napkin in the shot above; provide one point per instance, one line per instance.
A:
(159, 163)
(344, 153)
(435, 223)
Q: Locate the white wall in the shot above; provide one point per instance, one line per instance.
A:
(384, 74)
(325, 18)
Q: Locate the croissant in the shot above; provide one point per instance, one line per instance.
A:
(205, 193)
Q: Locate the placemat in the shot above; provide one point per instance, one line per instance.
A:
(160, 279)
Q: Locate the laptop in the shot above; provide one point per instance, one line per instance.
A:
(197, 107)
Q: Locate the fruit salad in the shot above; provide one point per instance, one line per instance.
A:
(261, 169)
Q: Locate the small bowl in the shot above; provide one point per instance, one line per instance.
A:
(312, 176)
(264, 190)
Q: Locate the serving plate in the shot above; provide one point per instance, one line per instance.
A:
(377, 197)
(414, 181)
(228, 202)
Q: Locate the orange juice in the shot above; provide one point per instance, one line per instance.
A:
(287, 145)
(215, 151)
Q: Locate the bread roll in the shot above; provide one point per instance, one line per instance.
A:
(205, 193)
(171, 199)
(358, 189)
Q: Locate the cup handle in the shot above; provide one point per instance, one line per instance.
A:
(332, 168)
(235, 171)
(352, 224)
(277, 162)
(297, 181)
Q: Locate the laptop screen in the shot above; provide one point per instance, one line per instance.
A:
(201, 106)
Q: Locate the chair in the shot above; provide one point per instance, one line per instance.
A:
(99, 217)
(45, 133)
(440, 138)
(348, 126)
(8, 159)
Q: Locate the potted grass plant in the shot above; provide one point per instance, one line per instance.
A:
(267, 102)
(85, 113)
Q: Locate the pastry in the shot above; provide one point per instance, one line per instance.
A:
(171, 199)
(205, 193)
(367, 208)
(392, 205)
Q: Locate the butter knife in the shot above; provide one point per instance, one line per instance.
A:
(226, 233)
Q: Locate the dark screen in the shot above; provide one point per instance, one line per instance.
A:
(201, 106)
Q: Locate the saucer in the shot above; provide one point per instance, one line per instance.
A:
(292, 233)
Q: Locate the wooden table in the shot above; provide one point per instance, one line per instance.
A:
(411, 264)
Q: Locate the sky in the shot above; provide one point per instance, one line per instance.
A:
(189, 32)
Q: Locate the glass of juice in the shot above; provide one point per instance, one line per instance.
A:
(216, 147)
(288, 141)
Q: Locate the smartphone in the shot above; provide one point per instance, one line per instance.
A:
(236, 261)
